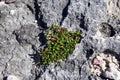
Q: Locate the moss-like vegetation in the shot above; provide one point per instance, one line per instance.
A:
(60, 43)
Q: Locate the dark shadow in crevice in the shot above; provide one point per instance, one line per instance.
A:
(82, 22)
(39, 15)
(89, 4)
(42, 39)
(103, 77)
(113, 53)
(65, 12)
(36, 57)
(43, 69)
(89, 78)
(89, 53)
(38, 63)
(5, 78)
(30, 8)
(112, 32)
(38, 76)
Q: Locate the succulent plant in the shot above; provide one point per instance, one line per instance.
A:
(60, 43)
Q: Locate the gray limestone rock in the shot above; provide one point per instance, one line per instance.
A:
(53, 11)
(22, 27)
(27, 34)
(14, 57)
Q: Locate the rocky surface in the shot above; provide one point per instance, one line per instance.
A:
(22, 25)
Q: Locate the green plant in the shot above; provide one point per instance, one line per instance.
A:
(60, 43)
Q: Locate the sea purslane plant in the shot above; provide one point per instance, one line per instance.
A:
(60, 43)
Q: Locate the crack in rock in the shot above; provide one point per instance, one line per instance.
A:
(6, 64)
(82, 22)
(30, 8)
(11, 56)
(39, 15)
(65, 12)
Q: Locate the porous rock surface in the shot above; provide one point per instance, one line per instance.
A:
(22, 26)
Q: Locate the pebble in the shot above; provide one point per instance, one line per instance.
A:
(12, 12)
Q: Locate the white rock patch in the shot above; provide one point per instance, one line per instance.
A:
(105, 65)
(12, 77)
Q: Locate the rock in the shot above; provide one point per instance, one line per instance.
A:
(108, 66)
(113, 7)
(27, 34)
(51, 13)
(23, 24)
(14, 58)
(80, 15)
(12, 77)
(9, 1)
